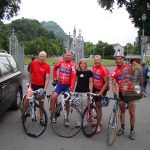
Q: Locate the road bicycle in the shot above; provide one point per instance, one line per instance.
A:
(66, 119)
(113, 122)
(91, 118)
(33, 125)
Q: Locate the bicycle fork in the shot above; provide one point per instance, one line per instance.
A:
(113, 119)
(33, 113)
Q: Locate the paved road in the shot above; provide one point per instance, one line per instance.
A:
(12, 136)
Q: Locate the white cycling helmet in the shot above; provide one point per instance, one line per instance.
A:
(119, 54)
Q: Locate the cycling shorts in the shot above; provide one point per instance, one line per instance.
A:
(62, 87)
(34, 87)
(122, 98)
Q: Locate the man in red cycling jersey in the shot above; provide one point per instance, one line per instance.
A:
(100, 83)
(118, 77)
(39, 75)
(66, 79)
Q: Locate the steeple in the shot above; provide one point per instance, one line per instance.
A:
(74, 31)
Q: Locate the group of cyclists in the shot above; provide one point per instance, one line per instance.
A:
(82, 80)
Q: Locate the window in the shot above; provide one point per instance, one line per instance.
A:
(5, 67)
(13, 63)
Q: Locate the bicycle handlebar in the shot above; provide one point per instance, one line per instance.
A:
(91, 94)
(112, 98)
(65, 95)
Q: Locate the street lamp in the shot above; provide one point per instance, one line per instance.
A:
(142, 38)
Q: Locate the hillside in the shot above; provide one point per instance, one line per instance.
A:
(53, 26)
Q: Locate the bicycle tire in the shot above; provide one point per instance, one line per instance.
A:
(90, 125)
(59, 127)
(112, 128)
(32, 126)
(22, 101)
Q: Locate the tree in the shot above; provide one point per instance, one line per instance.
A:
(135, 8)
(131, 49)
(9, 9)
(89, 48)
(104, 49)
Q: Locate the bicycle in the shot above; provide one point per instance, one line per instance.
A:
(113, 122)
(32, 124)
(66, 111)
(90, 118)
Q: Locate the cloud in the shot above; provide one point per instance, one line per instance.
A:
(95, 23)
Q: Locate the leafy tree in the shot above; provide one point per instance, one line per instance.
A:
(131, 49)
(9, 9)
(104, 49)
(109, 51)
(52, 47)
(89, 48)
(4, 42)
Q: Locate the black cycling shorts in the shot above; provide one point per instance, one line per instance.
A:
(121, 97)
(36, 87)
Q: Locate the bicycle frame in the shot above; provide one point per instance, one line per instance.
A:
(68, 99)
(113, 123)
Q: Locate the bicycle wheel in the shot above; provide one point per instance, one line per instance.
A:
(22, 101)
(32, 123)
(90, 121)
(74, 118)
(112, 128)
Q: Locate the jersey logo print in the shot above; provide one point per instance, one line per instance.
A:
(64, 70)
(121, 77)
(96, 76)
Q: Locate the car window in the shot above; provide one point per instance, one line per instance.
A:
(13, 63)
(5, 67)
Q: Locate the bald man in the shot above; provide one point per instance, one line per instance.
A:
(39, 75)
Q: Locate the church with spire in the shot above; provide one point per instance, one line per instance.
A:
(76, 45)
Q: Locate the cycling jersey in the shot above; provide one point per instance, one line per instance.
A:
(108, 73)
(121, 74)
(38, 72)
(98, 76)
(67, 73)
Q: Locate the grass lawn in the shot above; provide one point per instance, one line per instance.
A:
(52, 61)
(147, 58)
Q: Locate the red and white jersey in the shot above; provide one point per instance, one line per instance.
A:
(67, 73)
(121, 75)
(98, 76)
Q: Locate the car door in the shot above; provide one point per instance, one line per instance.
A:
(5, 84)
(16, 77)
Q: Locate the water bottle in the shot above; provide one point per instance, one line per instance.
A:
(137, 89)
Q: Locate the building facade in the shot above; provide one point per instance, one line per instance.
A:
(76, 45)
(118, 48)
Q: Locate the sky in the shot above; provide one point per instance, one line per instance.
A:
(95, 23)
